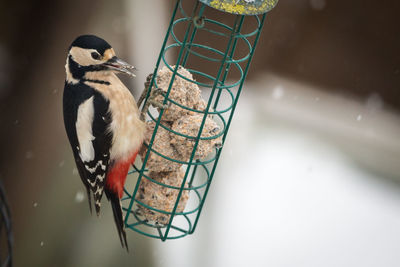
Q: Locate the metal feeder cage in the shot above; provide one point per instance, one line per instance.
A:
(195, 44)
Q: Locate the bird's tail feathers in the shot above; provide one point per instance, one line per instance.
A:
(97, 201)
(117, 212)
(89, 199)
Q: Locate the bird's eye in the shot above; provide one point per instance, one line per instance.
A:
(95, 55)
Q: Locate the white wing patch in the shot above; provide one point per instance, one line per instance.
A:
(83, 126)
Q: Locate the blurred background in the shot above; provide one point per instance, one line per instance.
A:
(310, 172)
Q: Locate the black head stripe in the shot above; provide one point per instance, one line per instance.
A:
(91, 42)
(78, 72)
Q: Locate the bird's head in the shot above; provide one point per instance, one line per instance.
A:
(91, 54)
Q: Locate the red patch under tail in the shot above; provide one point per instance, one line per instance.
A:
(117, 175)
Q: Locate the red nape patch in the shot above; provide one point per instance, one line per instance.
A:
(117, 176)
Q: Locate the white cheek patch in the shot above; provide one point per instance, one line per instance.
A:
(83, 56)
(69, 78)
(84, 130)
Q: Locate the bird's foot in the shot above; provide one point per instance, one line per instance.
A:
(152, 100)
(156, 103)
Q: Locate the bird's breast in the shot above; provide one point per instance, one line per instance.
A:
(126, 127)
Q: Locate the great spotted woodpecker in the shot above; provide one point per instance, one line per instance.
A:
(102, 121)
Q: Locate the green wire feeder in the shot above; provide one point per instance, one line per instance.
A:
(188, 180)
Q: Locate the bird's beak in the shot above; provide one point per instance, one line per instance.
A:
(119, 65)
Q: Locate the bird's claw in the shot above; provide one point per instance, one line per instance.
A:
(157, 104)
(155, 92)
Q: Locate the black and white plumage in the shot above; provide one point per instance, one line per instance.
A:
(81, 102)
(101, 120)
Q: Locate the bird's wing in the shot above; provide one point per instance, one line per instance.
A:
(87, 114)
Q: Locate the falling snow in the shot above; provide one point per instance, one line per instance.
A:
(278, 93)
(359, 117)
(79, 197)
(41, 244)
(35, 204)
(61, 163)
(74, 171)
